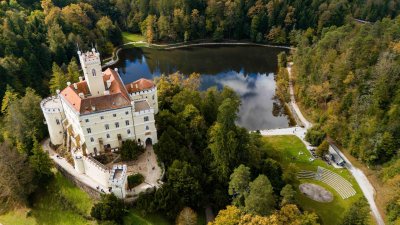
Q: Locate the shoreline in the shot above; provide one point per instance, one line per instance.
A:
(112, 60)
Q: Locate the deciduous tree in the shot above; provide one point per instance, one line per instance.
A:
(260, 199)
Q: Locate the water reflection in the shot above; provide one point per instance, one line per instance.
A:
(246, 69)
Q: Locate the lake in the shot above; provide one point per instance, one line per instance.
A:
(248, 70)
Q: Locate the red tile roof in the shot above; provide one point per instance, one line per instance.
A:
(118, 97)
(139, 85)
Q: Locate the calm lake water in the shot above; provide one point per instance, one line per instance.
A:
(249, 70)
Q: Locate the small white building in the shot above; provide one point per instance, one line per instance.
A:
(98, 113)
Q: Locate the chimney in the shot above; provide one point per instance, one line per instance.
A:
(131, 85)
(68, 83)
(81, 95)
(137, 86)
(75, 86)
(80, 78)
(106, 92)
(116, 69)
(108, 83)
(58, 91)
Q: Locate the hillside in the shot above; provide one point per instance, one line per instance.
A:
(349, 82)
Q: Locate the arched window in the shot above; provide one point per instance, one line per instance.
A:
(147, 128)
(94, 72)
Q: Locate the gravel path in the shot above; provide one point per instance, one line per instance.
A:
(362, 180)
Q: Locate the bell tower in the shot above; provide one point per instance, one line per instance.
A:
(91, 66)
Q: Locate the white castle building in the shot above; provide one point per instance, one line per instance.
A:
(97, 114)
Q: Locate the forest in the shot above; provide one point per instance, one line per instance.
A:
(349, 79)
(34, 34)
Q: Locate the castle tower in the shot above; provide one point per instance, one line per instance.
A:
(91, 66)
(54, 115)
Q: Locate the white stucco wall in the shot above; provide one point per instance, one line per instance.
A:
(140, 126)
(96, 172)
(54, 115)
(97, 123)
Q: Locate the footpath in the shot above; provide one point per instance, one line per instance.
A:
(362, 180)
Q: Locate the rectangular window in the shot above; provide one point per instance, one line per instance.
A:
(114, 115)
(128, 131)
(58, 121)
(127, 112)
(146, 118)
(147, 128)
(92, 139)
(107, 127)
(127, 122)
(102, 117)
(116, 125)
(89, 130)
(86, 120)
(108, 135)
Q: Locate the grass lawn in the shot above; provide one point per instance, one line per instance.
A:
(135, 218)
(285, 149)
(129, 37)
(61, 203)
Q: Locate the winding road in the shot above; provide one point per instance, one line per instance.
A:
(362, 180)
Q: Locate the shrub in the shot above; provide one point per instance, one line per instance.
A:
(134, 180)
(186, 217)
(323, 148)
(110, 208)
(130, 150)
(315, 136)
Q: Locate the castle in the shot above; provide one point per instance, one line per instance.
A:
(97, 114)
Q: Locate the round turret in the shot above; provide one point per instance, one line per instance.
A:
(54, 114)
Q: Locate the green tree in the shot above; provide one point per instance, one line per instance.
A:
(323, 149)
(58, 79)
(24, 119)
(260, 199)
(357, 213)
(134, 180)
(239, 184)
(109, 208)
(223, 139)
(288, 195)
(289, 174)
(40, 163)
(272, 169)
(315, 136)
(73, 71)
(185, 181)
(9, 96)
(131, 150)
(17, 177)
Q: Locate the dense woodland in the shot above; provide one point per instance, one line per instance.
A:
(34, 34)
(215, 163)
(350, 79)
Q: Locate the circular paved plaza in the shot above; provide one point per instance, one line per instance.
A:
(316, 192)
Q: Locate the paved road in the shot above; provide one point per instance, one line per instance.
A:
(362, 180)
(62, 162)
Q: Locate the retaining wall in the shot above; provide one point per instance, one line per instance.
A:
(92, 192)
